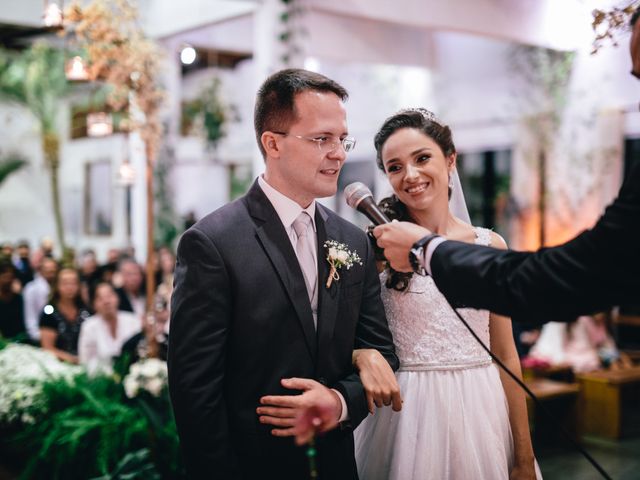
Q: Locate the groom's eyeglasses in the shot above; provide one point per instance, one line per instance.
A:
(326, 143)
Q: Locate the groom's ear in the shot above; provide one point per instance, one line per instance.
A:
(270, 144)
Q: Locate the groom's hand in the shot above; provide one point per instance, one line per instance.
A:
(285, 411)
(397, 238)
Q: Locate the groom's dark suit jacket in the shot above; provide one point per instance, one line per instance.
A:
(596, 270)
(241, 321)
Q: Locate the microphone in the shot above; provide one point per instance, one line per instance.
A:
(358, 196)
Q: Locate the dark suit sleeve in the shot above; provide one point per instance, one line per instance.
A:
(372, 331)
(590, 273)
(200, 316)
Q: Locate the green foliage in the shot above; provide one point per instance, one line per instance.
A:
(240, 180)
(210, 111)
(136, 465)
(9, 164)
(35, 79)
(92, 429)
(291, 31)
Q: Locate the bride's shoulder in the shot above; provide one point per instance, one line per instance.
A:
(485, 236)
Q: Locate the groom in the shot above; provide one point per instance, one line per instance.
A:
(256, 333)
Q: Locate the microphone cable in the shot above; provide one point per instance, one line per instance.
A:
(534, 398)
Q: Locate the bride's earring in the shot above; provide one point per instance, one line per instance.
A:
(450, 182)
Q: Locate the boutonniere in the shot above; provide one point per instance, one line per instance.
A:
(339, 256)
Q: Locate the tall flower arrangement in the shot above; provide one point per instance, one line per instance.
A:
(120, 55)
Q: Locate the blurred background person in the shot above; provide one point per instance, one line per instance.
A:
(36, 294)
(62, 318)
(103, 334)
(88, 272)
(22, 262)
(11, 304)
(131, 292)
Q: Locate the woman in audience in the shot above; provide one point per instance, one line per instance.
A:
(103, 334)
(62, 317)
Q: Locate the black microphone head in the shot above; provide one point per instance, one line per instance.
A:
(355, 192)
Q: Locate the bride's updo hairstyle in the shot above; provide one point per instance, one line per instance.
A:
(425, 121)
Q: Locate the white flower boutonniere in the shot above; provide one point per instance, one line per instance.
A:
(339, 256)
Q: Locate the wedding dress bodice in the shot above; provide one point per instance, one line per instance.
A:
(427, 333)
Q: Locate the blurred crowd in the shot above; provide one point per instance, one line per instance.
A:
(88, 312)
(81, 310)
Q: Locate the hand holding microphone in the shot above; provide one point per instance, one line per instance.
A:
(395, 238)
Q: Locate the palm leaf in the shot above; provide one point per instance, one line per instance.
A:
(11, 163)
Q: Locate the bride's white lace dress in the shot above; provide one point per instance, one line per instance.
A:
(454, 422)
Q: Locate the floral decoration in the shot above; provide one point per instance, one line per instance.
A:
(338, 256)
(148, 375)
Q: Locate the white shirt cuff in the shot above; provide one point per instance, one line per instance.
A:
(433, 244)
(344, 416)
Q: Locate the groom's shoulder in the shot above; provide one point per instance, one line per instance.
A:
(344, 226)
(223, 220)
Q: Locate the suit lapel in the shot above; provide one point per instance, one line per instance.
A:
(273, 238)
(327, 297)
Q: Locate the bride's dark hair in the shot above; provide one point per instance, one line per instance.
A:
(425, 121)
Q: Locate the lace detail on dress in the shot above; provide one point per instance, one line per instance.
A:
(427, 333)
(483, 236)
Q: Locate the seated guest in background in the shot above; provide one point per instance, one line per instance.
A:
(103, 334)
(131, 293)
(62, 317)
(114, 255)
(6, 250)
(11, 306)
(46, 245)
(88, 266)
(167, 261)
(584, 344)
(36, 294)
(22, 262)
(107, 273)
(138, 346)
(88, 271)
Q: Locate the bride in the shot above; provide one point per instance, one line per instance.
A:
(461, 418)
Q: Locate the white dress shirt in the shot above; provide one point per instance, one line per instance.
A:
(96, 345)
(35, 296)
(428, 253)
(288, 210)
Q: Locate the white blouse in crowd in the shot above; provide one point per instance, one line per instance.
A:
(96, 345)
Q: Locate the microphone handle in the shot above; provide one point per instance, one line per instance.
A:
(369, 208)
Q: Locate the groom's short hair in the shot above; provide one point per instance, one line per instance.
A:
(275, 109)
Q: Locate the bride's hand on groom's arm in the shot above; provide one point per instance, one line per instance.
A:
(316, 409)
(378, 380)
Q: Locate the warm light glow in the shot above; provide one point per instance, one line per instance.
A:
(99, 124)
(76, 70)
(52, 15)
(188, 55)
(126, 174)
